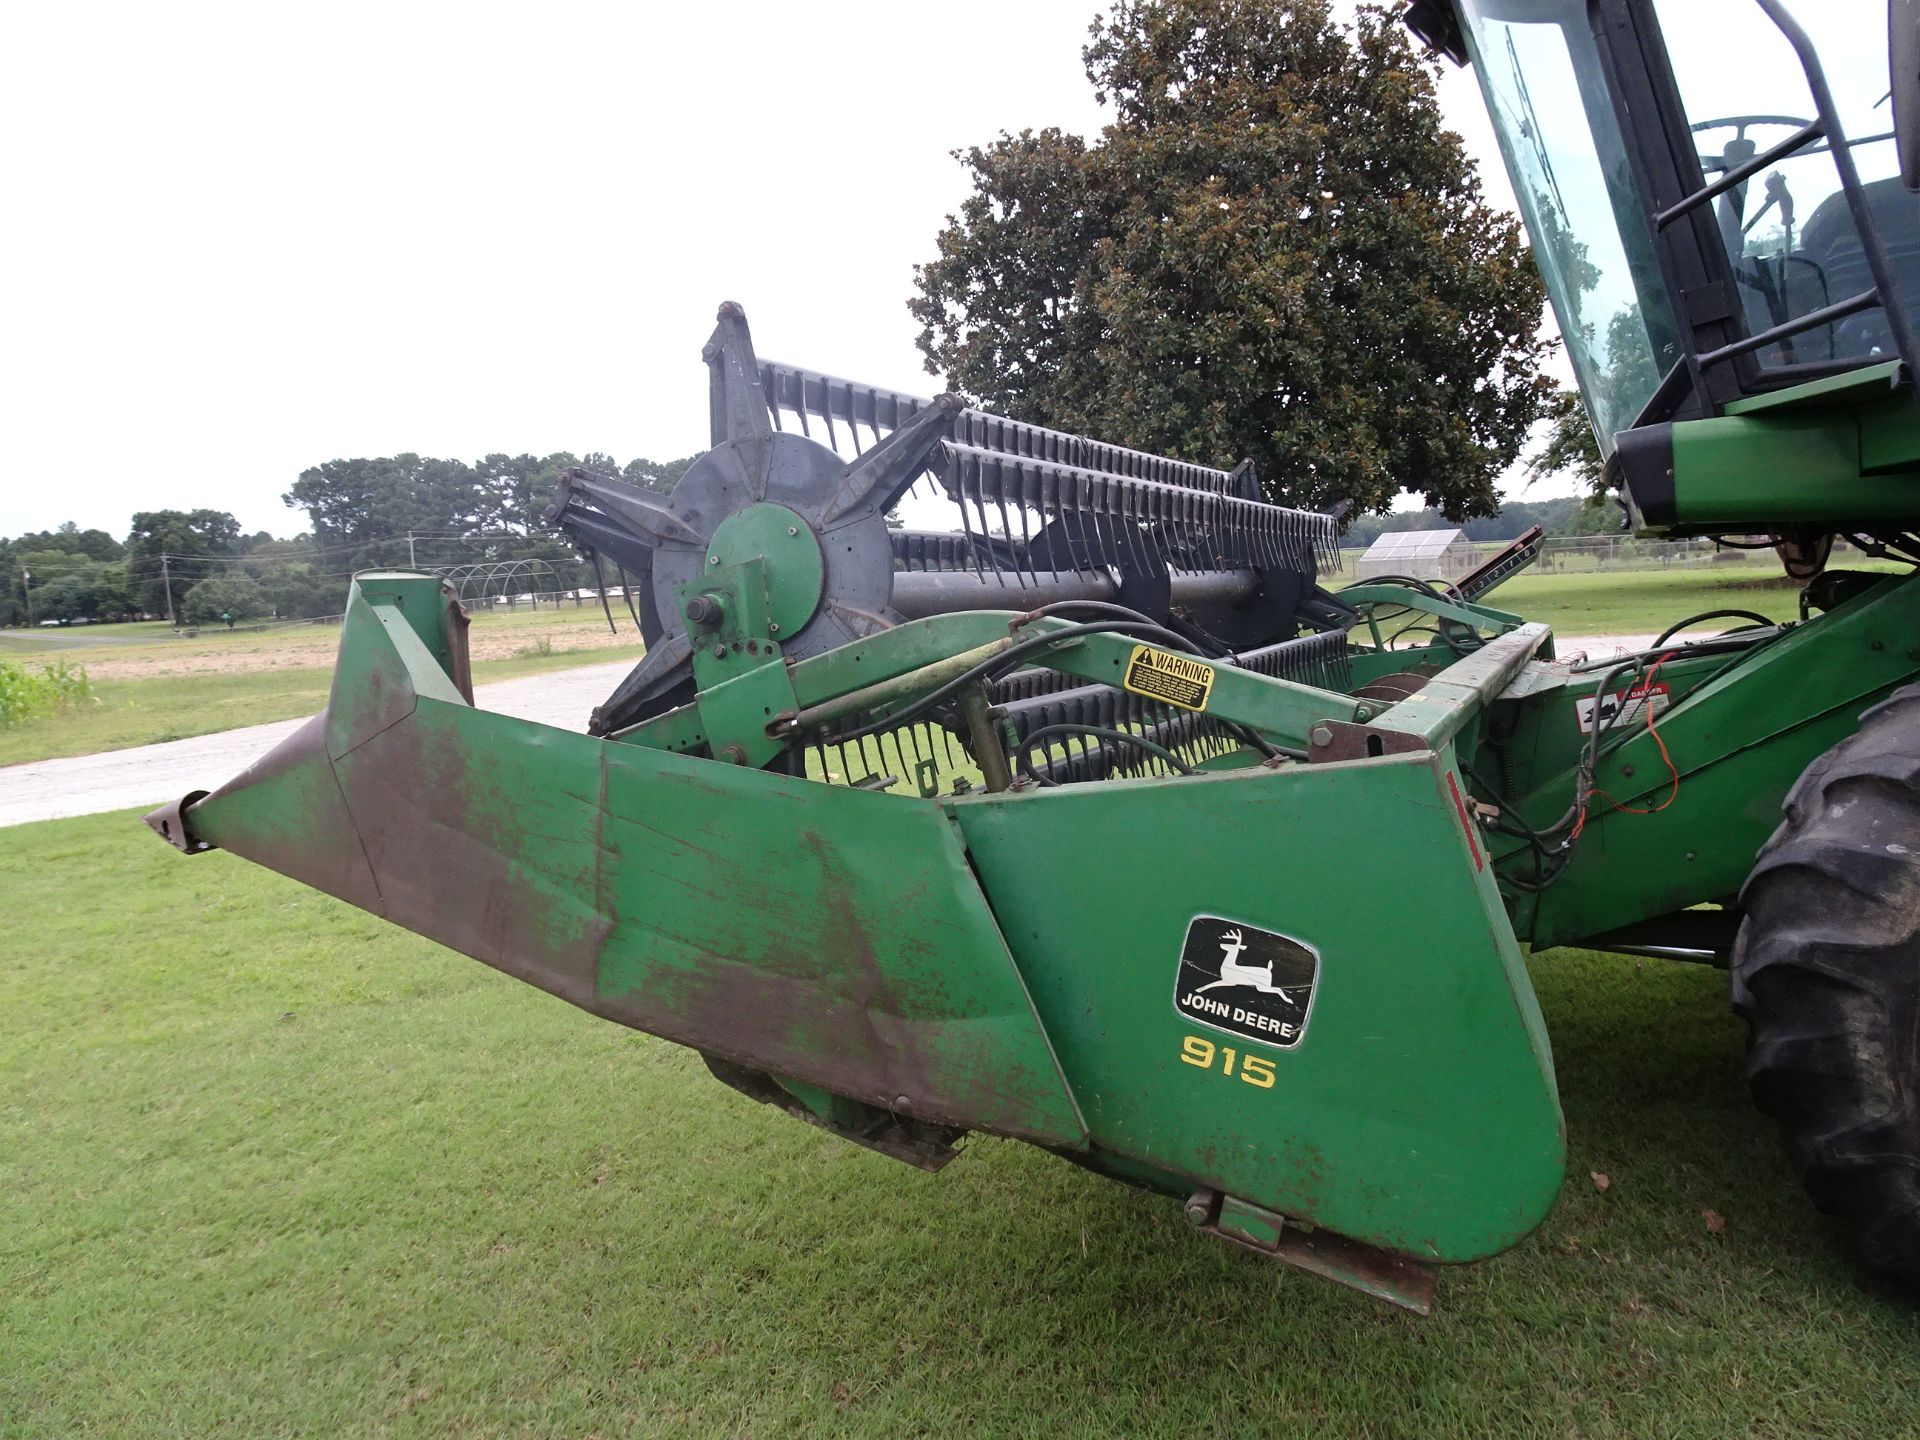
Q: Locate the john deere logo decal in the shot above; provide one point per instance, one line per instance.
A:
(1246, 981)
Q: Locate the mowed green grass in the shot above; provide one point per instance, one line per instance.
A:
(174, 707)
(269, 1167)
(261, 633)
(1646, 602)
(164, 707)
(155, 708)
(55, 637)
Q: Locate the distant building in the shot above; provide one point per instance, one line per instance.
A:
(1423, 554)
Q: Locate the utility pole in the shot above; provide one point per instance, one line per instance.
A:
(166, 578)
(412, 564)
(26, 588)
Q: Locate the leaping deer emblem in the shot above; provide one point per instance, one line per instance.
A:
(1234, 974)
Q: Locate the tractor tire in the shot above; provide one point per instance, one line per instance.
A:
(1826, 971)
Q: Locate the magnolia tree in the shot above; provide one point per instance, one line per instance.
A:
(1276, 250)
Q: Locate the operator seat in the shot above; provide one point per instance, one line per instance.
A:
(1831, 243)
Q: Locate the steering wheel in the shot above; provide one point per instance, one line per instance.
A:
(1727, 159)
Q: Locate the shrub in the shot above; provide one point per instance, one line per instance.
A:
(239, 596)
(25, 695)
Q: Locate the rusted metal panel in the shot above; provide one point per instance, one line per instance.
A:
(827, 934)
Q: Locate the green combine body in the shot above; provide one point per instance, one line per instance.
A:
(1050, 829)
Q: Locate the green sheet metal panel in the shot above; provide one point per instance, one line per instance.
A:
(1416, 1111)
(1737, 740)
(829, 934)
(1846, 466)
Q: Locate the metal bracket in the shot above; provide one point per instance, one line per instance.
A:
(1397, 1279)
(1343, 740)
(170, 823)
(919, 1144)
(736, 662)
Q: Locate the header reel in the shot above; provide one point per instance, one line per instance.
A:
(1045, 519)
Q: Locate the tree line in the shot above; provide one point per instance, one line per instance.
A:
(421, 512)
(1568, 515)
(413, 511)
(407, 511)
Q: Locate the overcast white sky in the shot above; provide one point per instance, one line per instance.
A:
(241, 240)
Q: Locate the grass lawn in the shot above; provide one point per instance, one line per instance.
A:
(170, 689)
(1644, 602)
(172, 707)
(57, 637)
(268, 1167)
(269, 634)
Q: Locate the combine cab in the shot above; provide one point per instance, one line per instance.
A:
(1046, 826)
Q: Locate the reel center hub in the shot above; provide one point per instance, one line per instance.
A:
(796, 570)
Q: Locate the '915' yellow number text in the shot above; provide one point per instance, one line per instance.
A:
(1254, 1069)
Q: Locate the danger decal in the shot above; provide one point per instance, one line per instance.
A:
(1623, 708)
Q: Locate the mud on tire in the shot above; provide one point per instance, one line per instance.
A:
(1826, 970)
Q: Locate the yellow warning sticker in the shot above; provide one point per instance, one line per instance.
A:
(1176, 679)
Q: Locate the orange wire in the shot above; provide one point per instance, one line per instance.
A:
(1673, 772)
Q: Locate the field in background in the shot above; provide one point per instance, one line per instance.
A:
(1644, 602)
(268, 1166)
(151, 648)
(154, 687)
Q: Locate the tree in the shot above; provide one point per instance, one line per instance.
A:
(211, 601)
(70, 539)
(436, 514)
(63, 598)
(293, 579)
(515, 490)
(362, 510)
(193, 542)
(1570, 448)
(13, 595)
(111, 593)
(299, 592)
(1275, 251)
(81, 590)
(660, 475)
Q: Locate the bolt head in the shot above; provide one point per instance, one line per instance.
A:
(1320, 735)
(793, 530)
(720, 652)
(713, 559)
(773, 627)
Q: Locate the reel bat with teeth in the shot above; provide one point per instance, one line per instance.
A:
(1044, 518)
